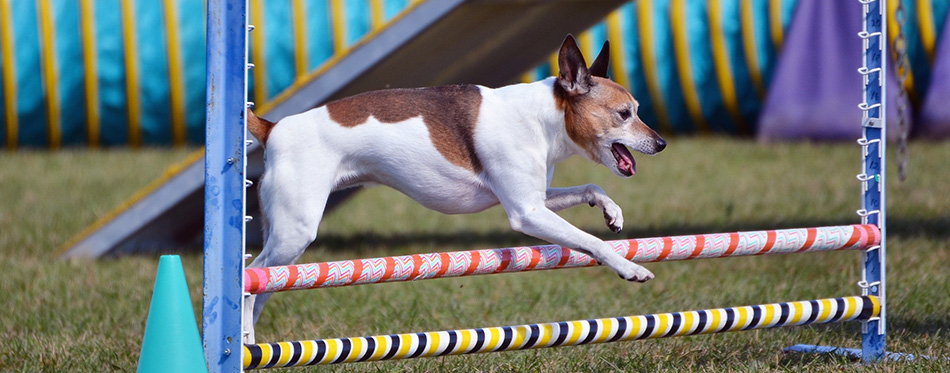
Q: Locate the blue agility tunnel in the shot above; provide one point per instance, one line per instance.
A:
(132, 72)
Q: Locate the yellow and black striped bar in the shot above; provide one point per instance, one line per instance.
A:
(566, 333)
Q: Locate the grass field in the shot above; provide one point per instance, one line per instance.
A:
(82, 316)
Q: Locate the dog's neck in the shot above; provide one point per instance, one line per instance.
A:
(534, 104)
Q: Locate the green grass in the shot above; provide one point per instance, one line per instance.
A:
(89, 316)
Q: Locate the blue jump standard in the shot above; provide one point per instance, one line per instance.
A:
(855, 353)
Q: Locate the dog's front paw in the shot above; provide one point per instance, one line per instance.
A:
(634, 272)
(613, 215)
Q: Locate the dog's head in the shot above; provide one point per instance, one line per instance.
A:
(601, 116)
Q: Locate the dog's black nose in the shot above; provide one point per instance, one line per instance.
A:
(660, 144)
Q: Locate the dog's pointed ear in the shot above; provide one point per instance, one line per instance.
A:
(602, 62)
(573, 74)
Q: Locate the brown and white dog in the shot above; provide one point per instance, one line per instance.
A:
(457, 150)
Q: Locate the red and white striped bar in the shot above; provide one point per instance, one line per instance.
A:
(521, 259)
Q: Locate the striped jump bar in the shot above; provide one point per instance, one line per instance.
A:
(520, 259)
(567, 333)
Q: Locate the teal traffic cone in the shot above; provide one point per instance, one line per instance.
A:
(171, 342)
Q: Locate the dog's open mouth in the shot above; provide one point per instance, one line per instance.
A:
(625, 162)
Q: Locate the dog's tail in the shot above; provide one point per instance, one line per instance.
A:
(259, 127)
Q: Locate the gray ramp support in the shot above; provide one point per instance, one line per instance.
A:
(438, 42)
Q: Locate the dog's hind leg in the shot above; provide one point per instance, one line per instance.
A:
(293, 204)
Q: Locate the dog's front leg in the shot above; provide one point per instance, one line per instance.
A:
(528, 213)
(522, 190)
(558, 199)
(539, 221)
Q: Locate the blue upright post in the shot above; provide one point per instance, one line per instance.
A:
(874, 144)
(224, 185)
(873, 184)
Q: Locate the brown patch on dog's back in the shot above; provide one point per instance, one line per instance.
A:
(449, 112)
(581, 111)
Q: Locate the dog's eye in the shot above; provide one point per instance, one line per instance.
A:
(624, 114)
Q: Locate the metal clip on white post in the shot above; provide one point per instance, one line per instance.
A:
(864, 178)
(865, 143)
(868, 35)
(865, 213)
(863, 70)
(865, 107)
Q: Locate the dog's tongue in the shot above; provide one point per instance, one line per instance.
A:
(625, 161)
